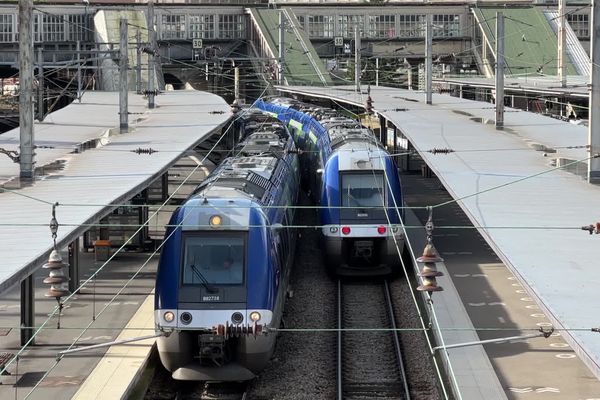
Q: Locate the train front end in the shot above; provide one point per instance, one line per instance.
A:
(215, 291)
(362, 214)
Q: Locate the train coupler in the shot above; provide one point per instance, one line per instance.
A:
(227, 330)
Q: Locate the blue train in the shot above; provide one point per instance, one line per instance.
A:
(354, 180)
(225, 263)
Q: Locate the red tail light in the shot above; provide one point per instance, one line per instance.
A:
(381, 229)
(346, 230)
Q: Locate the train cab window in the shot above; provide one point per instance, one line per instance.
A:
(215, 260)
(362, 190)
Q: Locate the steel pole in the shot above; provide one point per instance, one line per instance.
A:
(357, 61)
(281, 48)
(236, 82)
(499, 70)
(26, 90)
(594, 120)
(40, 110)
(428, 60)
(562, 42)
(151, 59)
(123, 69)
(79, 83)
(138, 67)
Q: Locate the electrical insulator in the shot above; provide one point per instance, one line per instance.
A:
(369, 104)
(429, 271)
(235, 107)
(430, 254)
(56, 278)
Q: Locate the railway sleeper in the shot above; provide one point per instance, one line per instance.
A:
(378, 389)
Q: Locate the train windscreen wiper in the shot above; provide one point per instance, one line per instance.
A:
(203, 281)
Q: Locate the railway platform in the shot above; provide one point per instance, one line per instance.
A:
(103, 373)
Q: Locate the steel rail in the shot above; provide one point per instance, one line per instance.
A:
(390, 306)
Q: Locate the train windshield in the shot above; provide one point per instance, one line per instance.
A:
(362, 190)
(214, 260)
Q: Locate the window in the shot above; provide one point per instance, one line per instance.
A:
(411, 26)
(6, 28)
(382, 26)
(78, 29)
(362, 190)
(301, 21)
(580, 24)
(53, 28)
(445, 25)
(347, 23)
(201, 26)
(173, 27)
(214, 260)
(231, 26)
(320, 26)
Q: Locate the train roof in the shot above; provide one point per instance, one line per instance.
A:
(255, 169)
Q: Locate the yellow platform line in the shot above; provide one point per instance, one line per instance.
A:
(118, 371)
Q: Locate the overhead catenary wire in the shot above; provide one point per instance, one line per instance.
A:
(317, 329)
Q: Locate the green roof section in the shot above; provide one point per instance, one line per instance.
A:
(298, 69)
(530, 44)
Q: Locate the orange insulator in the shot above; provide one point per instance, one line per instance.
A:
(56, 276)
(429, 270)
(430, 255)
(429, 284)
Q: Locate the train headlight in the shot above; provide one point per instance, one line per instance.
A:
(333, 229)
(169, 316)
(346, 230)
(255, 316)
(215, 220)
(395, 229)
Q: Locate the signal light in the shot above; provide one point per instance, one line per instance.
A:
(381, 229)
(346, 230)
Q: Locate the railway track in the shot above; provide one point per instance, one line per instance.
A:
(369, 362)
(166, 388)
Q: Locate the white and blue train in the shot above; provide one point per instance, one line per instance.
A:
(353, 178)
(226, 260)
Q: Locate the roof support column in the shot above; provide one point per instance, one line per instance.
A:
(499, 70)
(594, 124)
(27, 310)
(74, 265)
